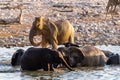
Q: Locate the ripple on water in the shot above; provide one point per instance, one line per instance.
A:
(82, 73)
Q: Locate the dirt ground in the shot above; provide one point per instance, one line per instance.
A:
(14, 35)
(88, 18)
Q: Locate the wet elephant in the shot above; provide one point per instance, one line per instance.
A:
(113, 60)
(68, 44)
(41, 58)
(85, 56)
(16, 57)
(106, 52)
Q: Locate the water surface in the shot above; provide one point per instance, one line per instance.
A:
(7, 72)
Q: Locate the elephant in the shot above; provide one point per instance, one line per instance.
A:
(68, 44)
(113, 60)
(85, 56)
(16, 57)
(41, 58)
(53, 32)
(106, 52)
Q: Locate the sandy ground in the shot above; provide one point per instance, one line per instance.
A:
(88, 17)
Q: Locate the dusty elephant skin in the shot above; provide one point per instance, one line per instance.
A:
(53, 33)
(40, 58)
(86, 56)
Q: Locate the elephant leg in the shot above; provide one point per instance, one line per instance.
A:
(54, 45)
(48, 67)
(51, 67)
(71, 39)
(45, 67)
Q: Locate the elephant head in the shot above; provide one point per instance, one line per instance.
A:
(36, 29)
(17, 57)
(85, 56)
(64, 61)
(73, 55)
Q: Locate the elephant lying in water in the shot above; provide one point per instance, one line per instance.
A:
(39, 58)
(106, 52)
(85, 56)
(113, 60)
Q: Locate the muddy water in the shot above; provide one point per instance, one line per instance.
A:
(7, 72)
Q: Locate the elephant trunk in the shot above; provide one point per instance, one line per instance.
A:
(31, 37)
(64, 62)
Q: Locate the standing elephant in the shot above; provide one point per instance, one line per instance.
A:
(53, 33)
(41, 58)
(85, 56)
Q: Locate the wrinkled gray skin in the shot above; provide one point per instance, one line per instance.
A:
(76, 57)
(39, 58)
(107, 53)
(72, 55)
(16, 57)
(113, 60)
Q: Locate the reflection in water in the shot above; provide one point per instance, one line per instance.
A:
(7, 72)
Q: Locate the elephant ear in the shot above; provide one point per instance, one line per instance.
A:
(75, 51)
(39, 22)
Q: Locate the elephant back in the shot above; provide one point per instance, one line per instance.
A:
(93, 56)
(65, 31)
